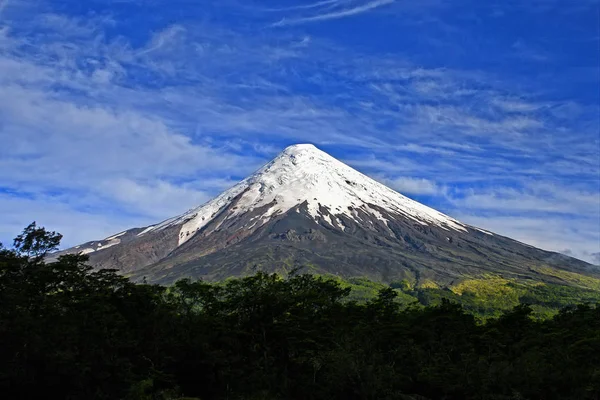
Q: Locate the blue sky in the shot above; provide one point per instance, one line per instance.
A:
(121, 113)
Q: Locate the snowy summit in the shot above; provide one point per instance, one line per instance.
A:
(303, 174)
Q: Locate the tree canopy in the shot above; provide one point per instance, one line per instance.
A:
(70, 332)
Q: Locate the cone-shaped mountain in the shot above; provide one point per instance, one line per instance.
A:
(305, 209)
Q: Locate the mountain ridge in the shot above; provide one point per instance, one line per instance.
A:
(307, 209)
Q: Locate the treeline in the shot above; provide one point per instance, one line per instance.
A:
(67, 332)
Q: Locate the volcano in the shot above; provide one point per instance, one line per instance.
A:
(306, 210)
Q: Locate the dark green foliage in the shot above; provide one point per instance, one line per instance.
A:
(36, 242)
(557, 296)
(67, 332)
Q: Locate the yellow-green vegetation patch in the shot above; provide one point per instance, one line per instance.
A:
(491, 292)
(428, 284)
(483, 287)
(571, 277)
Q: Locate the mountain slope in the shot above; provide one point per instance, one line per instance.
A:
(307, 209)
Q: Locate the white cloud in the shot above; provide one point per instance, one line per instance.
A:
(74, 143)
(529, 52)
(414, 186)
(154, 199)
(533, 198)
(545, 215)
(335, 14)
(516, 105)
(318, 4)
(580, 237)
(76, 226)
(166, 37)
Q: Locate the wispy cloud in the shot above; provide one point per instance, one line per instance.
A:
(163, 38)
(345, 12)
(77, 225)
(317, 4)
(577, 239)
(534, 198)
(546, 215)
(517, 105)
(529, 52)
(416, 186)
(155, 198)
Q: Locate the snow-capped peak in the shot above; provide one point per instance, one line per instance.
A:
(304, 174)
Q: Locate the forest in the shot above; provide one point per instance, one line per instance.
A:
(70, 332)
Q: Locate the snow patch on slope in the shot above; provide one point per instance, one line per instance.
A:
(148, 229)
(101, 245)
(116, 236)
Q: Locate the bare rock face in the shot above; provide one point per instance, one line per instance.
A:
(306, 209)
